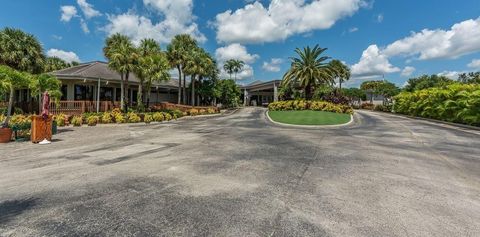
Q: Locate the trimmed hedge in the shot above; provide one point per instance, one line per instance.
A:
(310, 105)
(459, 103)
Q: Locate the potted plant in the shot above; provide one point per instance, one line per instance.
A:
(5, 134)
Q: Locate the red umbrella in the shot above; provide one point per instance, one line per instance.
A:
(45, 105)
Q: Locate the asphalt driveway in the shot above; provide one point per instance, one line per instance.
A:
(240, 175)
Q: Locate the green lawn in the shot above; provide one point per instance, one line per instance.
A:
(309, 117)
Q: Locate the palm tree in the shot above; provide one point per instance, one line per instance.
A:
(10, 80)
(147, 49)
(237, 67)
(54, 64)
(340, 71)
(198, 65)
(122, 57)
(156, 69)
(229, 67)
(308, 70)
(178, 52)
(21, 51)
(45, 82)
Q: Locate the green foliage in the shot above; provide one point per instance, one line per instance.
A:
(77, 121)
(106, 118)
(133, 117)
(45, 82)
(60, 119)
(308, 70)
(119, 118)
(233, 66)
(340, 71)
(354, 94)
(55, 64)
(229, 93)
(167, 116)
(148, 118)
(309, 105)
(470, 78)
(458, 103)
(21, 51)
(368, 106)
(158, 117)
(92, 120)
(322, 91)
(427, 81)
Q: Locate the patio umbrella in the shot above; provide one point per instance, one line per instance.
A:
(45, 112)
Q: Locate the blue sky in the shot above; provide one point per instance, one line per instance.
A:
(398, 39)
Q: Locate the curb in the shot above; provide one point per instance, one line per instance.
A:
(438, 122)
(309, 126)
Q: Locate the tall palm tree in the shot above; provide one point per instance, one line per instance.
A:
(178, 52)
(147, 49)
(197, 66)
(340, 71)
(237, 67)
(54, 64)
(308, 70)
(229, 67)
(10, 80)
(122, 57)
(21, 51)
(156, 69)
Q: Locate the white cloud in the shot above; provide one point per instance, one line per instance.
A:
(177, 15)
(239, 52)
(67, 13)
(273, 65)
(235, 51)
(65, 55)
(380, 18)
(84, 26)
(354, 29)
(463, 38)
(408, 71)
(57, 37)
(373, 63)
(475, 64)
(87, 9)
(257, 24)
(450, 74)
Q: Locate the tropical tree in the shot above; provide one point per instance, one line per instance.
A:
(45, 82)
(229, 92)
(21, 51)
(469, 78)
(10, 80)
(55, 64)
(147, 49)
(178, 53)
(157, 69)
(340, 72)
(427, 81)
(308, 70)
(233, 66)
(354, 94)
(370, 87)
(198, 66)
(122, 57)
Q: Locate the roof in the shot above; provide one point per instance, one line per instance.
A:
(260, 84)
(97, 69)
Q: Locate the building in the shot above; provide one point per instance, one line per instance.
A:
(95, 85)
(260, 93)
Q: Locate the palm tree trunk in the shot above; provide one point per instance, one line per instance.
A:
(140, 95)
(122, 92)
(10, 104)
(184, 89)
(193, 90)
(149, 90)
(179, 85)
(126, 91)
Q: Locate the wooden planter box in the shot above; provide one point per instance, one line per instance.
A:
(41, 129)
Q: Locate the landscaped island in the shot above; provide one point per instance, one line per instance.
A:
(304, 112)
(309, 117)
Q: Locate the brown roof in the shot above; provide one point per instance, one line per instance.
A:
(95, 70)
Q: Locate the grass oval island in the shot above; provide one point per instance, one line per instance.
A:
(309, 117)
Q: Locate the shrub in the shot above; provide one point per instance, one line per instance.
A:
(107, 118)
(93, 120)
(158, 117)
(20, 121)
(119, 118)
(368, 106)
(311, 105)
(177, 113)
(193, 112)
(132, 117)
(60, 119)
(148, 118)
(459, 103)
(77, 121)
(202, 111)
(211, 111)
(167, 116)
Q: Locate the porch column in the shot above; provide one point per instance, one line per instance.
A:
(70, 91)
(245, 97)
(275, 92)
(98, 96)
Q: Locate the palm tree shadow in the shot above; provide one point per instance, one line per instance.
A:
(11, 208)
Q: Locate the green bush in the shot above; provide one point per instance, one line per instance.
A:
(77, 121)
(167, 116)
(148, 118)
(459, 103)
(158, 117)
(119, 118)
(93, 120)
(107, 118)
(132, 117)
(310, 105)
(60, 119)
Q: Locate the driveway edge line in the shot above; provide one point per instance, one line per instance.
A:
(309, 126)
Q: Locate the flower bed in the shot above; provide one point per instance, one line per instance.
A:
(310, 105)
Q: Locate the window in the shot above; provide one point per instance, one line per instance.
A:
(83, 92)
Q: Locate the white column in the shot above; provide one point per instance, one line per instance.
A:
(275, 92)
(98, 96)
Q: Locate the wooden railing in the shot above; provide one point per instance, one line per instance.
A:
(79, 107)
(182, 108)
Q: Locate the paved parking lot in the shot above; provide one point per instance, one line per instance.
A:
(240, 175)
